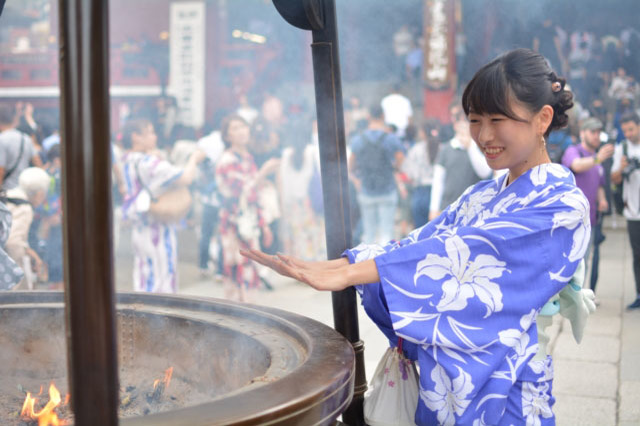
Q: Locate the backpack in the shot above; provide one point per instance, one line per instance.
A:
(374, 165)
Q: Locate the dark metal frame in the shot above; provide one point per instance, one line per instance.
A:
(86, 183)
(319, 16)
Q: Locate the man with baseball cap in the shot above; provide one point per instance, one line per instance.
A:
(585, 161)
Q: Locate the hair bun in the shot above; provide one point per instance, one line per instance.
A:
(563, 102)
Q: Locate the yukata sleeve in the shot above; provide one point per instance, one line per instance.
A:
(469, 295)
(372, 295)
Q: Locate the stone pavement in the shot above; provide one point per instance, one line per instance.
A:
(596, 382)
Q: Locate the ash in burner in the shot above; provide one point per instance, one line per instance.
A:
(148, 401)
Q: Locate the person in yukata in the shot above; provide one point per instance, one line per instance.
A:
(242, 223)
(466, 291)
(145, 171)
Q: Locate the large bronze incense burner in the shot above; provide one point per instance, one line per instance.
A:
(231, 363)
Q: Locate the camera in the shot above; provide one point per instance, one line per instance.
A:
(634, 164)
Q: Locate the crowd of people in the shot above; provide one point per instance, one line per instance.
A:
(247, 168)
(231, 185)
(249, 165)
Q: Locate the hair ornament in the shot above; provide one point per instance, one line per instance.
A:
(556, 87)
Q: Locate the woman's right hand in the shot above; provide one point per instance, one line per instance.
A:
(324, 279)
(288, 269)
(318, 265)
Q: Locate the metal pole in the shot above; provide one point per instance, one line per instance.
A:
(88, 262)
(320, 17)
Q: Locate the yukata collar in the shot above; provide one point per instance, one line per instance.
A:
(559, 171)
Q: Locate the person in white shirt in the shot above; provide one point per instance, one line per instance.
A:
(397, 110)
(213, 146)
(626, 170)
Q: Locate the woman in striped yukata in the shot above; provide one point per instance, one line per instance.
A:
(145, 172)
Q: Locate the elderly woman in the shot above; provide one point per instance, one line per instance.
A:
(31, 192)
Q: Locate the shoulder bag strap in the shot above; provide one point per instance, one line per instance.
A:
(13, 168)
(144, 186)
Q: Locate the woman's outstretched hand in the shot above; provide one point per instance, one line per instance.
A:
(328, 276)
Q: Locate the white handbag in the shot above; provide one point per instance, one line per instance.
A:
(392, 398)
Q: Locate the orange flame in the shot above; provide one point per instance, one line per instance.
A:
(166, 380)
(46, 416)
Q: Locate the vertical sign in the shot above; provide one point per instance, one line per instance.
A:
(438, 46)
(439, 58)
(186, 60)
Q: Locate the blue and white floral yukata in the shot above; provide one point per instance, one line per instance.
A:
(465, 291)
(154, 243)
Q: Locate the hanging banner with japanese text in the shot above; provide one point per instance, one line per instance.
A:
(187, 59)
(439, 61)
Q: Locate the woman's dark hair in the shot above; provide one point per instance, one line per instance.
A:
(224, 127)
(520, 75)
(135, 125)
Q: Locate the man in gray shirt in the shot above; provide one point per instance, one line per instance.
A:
(460, 164)
(16, 149)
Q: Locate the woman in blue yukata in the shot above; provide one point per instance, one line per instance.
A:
(469, 290)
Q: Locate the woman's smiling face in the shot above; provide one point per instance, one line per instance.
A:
(512, 144)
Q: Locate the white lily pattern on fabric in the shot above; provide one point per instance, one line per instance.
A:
(466, 278)
(575, 220)
(539, 174)
(535, 402)
(451, 299)
(448, 397)
(519, 340)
